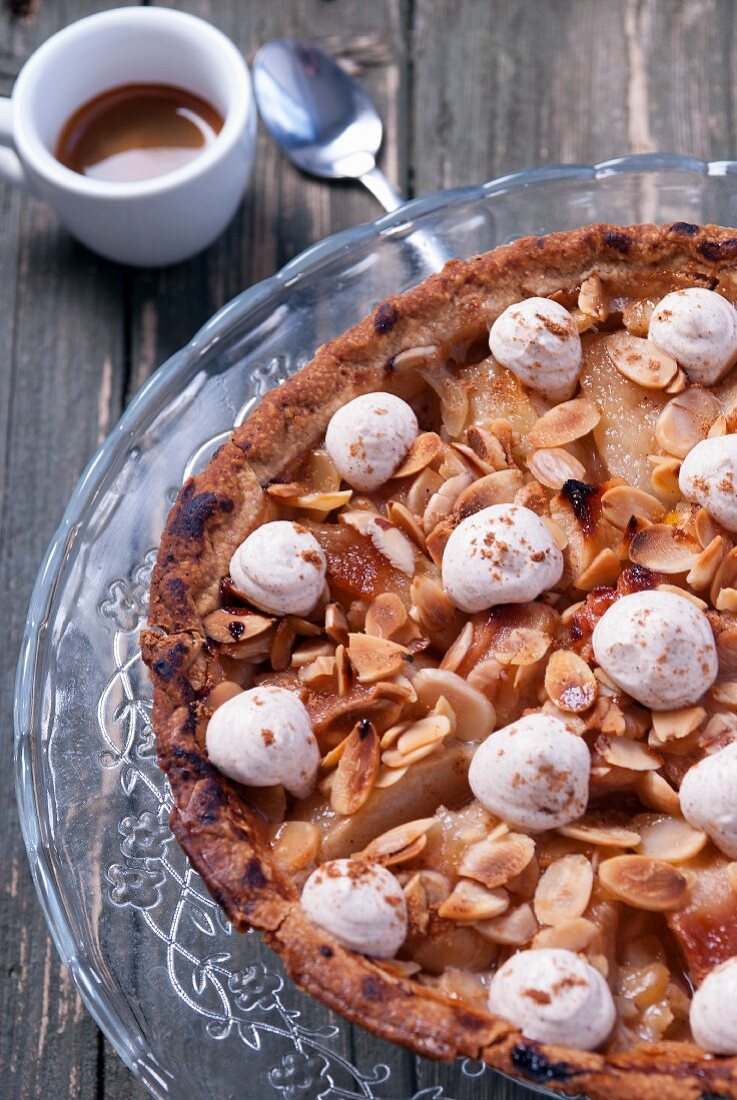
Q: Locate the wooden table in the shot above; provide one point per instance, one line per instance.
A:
(468, 91)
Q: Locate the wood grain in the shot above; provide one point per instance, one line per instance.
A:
(467, 91)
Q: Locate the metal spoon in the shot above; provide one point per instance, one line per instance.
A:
(320, 116)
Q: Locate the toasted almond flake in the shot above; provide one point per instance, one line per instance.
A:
(434, 611)
(441, 503)
(487, 446)
(424, 486)
(564, 890)
(522, 646)
(285, 490)
(494, 862)
(386, 615)
(308, 652)
(425, 449)
(559, 536)
(602, 834)
(570, 935)
(732, 875)
(553, 467)
(676, 591)
(470, 901)
(384, 848)
(686, 420)
(402, 518)
(486, 677)
(664, 549)
(459, 649)
(565, 422)
(357, 769)
(569, 681)
(593, 299)
(719, 427)
(393, 758)
(477, 464)
(475, 715)
(641, 361)
(500, 487)
(606, 682)
(284, 638)
(324, 503)
(437, 540)
(678, 384)
(622, 502)
(664, 479)
(412, 358)
(725, 576)
(644, 883)
(672, 725)
(387, 777)
(603, 570)
(724, 692)
(322, 668)
(394, 545)
(621, 752)
(343, 671)
(583, 321)
(392, 735)
(657, 794)
(704, 569)
(427, 731)
(705, 527)
(671, 839)
(513, 928)
(230, 629)
(336, 624)
(220, 694)
(375, 658)
(295, 845)
(727, 600)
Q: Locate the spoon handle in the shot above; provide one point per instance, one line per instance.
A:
(431, 256)
(376, 182)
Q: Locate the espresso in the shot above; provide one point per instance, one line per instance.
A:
(137, 132)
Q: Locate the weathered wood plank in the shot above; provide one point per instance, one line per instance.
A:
(61, 382)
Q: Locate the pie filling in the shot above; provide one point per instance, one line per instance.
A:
(479, 670)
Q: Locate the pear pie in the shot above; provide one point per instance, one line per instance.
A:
(444, 651)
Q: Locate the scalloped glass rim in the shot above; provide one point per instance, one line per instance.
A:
(167, 381)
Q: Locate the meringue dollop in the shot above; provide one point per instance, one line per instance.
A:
(281, 568)
(708, 477)
(537, 340)
(368, 438)
(714, 1010)
(708, 797)
(698, 327)
(360, 904)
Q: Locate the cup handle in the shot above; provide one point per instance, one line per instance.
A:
(11, 169)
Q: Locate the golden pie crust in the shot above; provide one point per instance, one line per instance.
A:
(214, 512)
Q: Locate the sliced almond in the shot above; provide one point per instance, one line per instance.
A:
(683, 593)
(514, 928)
(220, 694)
(656, 793)
(727, 600)
(732, 875)
(357, 769)
(500, 487)
(393, 758)
(375, 659)
(323, 503)
(343, 671)
(604, 569)
(678, 384)
(425, 449)
(622, 502)
(424, 486)
(725, 576)
(475, 714)
(487, 446)
(495, 861)
(553, 467)
(621, 752)
(564, 890)
(392, 846)
(664, 549)
(522, 646)
(437, 540)
(486, 677)
(477, 464)
(686, 420)
(664, 479)
(470, 901)
(387, 777)
(308, 652)
(336, 624)
(322, 668)
(602, 834)
(460, 647)
(229, 628)
(441, 503)
(570, 935)
(559, 536)
(593, 299)
(402, 518)
(641, 361)
(644, 883)
(427, 731)
(412, 358)
(565, 422)
(671, 839)
(725, 693)
(296, 845)
(434, 610)
(569, 682)
(672, 725)
(704, 569)
(385, 616)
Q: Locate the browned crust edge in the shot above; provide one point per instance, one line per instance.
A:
(214, 512)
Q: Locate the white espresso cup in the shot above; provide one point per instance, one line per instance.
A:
(145, 222)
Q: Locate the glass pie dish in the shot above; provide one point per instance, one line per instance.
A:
(186, 1002)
